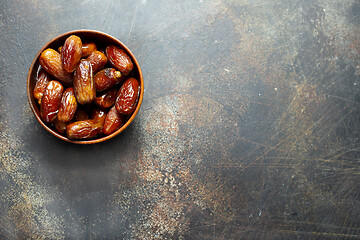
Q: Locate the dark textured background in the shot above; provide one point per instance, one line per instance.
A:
(249, 127)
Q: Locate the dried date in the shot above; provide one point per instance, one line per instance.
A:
(84, 86)
(50, 60)
(83, 129)
(88, 48)
(71, 53)
(119, 59)
(127, 96)
(107, 99)
(68, 105)
(98, 114)
(43, 78)
(106, 79)
(97, 60)
(50, 102)
(113, 121)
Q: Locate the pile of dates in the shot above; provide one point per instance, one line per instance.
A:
(84, 92)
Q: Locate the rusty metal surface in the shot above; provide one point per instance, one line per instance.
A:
(249, 127)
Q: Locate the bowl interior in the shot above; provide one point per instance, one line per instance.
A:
(101, 40)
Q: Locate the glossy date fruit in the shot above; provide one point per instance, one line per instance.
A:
(68, 105)
(50, 60)
(50, 102)
(83, 129)
(71, 53)
(84, 86)
(119, 59)
(98, 114)
(127, 96)
(43, 78)
(106, 79)
(97, 60)
(107, 99)
(87, 49)
(113, 121)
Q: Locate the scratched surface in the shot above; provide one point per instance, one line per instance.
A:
(249, 127)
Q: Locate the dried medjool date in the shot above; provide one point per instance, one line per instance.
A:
(71, 53)
(68, 105)
(88, 48)
(83, 129)
(113, 121)
(107, 99)
(97, 60)
(50, 60)
(127, 96)
(50, 102)
(43, 78)
(84, 86)
(119, 59)
(106, 79)
(100, 115)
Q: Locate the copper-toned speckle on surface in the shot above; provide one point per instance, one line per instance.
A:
(249, 127)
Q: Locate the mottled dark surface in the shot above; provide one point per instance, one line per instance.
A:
(249, 127)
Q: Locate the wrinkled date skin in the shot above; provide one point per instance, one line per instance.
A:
(113, 121)
(106, 79)
(84, 86)
(87, 49)
(50, 102)
(43, 79)
(68, 105)
(119, 59)
(83, 129)
(127, 96)
(71, 53)
(97, 60)
(50, 60)
(107, 99)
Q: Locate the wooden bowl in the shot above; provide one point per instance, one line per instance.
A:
(102, 40)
